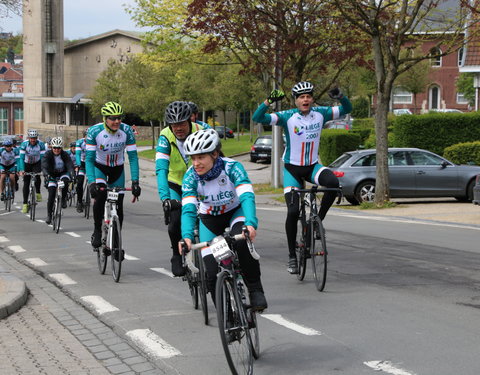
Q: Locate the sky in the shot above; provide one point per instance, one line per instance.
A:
(85, 18)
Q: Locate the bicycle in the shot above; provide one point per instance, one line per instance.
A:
(9, 195)
(111, 235)
(237, 322)
(86, 200)
(310, 229)
(72, 192)
(195, 276)
(32, 197)
(57, 206)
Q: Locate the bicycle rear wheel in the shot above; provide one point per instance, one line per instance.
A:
(234, 333)
(319, 253)
(102, 257)
(115, 244)
(86, 208)
(301, 249)
(202, 285)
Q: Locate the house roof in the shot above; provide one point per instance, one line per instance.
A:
(129, 34)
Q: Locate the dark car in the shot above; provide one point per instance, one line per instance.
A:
(261, 149)
(476, 191)
(414, 173)
(221, 131)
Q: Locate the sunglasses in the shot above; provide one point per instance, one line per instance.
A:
(57, 148)
(115, 118)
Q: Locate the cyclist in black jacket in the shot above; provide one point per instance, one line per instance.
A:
(56, 163)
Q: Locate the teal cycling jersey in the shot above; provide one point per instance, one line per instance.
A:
(106, 148)
(9, 158)
(302, 132)
(30, 154)
(229, 190)
(80, 151)
(203, 124)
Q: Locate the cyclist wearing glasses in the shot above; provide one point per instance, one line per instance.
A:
(222, 191)
(80, 150)
(31, 153)
(8, 164)
(303, 128)
(195, 115)
(171, 163)
(56, 164)
(106, 143)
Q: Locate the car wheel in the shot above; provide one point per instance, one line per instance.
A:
(469, 191)
(252, 159)
(365, 192)
(352, 201)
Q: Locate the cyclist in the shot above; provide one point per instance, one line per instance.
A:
(221, 189)
(80, 149)
(303, 128)
(8, 164)
(56, 164)
(171, 163)
(31, 153)
(195, 115)
(71, 153)
(106, 143)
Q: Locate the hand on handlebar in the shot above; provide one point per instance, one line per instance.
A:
(252, 233)
(185, 242)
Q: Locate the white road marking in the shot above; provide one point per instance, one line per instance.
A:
(17, 249)
(99, 304)
(130, 257)
(40, 221)
(89, 242)
(36, 262)
(62, 278)
(277, 318)
(152, 344)
(4, 239)
(7, 213)
(387, 367)
(163, 270)
(73, 234)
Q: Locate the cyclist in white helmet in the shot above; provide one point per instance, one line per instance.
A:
(223, 193)
(303, 128)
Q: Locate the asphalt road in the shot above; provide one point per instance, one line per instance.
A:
(402, 297)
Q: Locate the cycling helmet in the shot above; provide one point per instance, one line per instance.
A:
(85, 133)
(302, 88)
(7, 142)
(201, 142)
(73, 144)
(112, 109)
(193, 106)
(177, 112)
(57, 142)
(32, 133)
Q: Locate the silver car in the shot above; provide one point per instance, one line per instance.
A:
(414, 173)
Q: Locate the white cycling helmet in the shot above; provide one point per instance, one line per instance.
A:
(56, 142)
(302, 88)
(32, 133)
(201, 142)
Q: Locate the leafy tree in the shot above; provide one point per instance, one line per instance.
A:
(15, 43)
(416, 80)
(392, 26)
(107, 88)
(464, 85)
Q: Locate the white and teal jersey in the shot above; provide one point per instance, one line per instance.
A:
(302, 132)
(8, 158)
(80, 150)
(232, 188)
(106, 148)
(30, 154)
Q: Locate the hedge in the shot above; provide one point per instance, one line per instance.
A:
(335, 142)
(436, 131)
(463, 153)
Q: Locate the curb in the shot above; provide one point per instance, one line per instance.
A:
(13, 293)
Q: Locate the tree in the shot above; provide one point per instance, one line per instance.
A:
(393, 26)
(464, 85)
(415, 80)
(10, 6)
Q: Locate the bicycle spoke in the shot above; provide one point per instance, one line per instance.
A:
(319, 255)
(115, 244)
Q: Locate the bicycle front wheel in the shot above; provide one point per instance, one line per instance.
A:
(115, 244)
(33, 203)
(192, 286)
(8, 196)
(301, 249)
(253, 327)
(202, 285)
(234, 332)
(319, 253)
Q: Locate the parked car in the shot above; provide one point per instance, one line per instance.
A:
(221, 131)
(261, 149)
(402, 111)
(476, 191)
(414, 173)
(445, 110)
(338, 124)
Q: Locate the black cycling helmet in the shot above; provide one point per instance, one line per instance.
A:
(177, 112)
(302, 88)
(73, 144)
(193, 106)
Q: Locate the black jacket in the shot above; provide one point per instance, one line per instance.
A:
(48, 164)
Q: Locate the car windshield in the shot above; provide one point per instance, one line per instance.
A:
(263, 141)
(340, 161)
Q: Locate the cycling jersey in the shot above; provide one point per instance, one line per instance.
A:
(302, 132)
(72, 157)
(170, 161)
(204, 125)
(106, 148)
(80, 151)
(30, 154)
(231, 189)
(9, 158)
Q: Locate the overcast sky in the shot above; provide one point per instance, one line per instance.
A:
(85, 18)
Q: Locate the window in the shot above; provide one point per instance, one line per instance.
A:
(434, 97)
(460, 56)
(18, 114)
(424, 158)
(402, 96)
(397, 158)
(3, 121)
(366, 161)
(461, 99)
(435, 61)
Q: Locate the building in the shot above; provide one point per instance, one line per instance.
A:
(11, 98)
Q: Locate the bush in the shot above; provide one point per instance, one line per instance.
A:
(371, 141)
(463, 153)
(360, 107)
(436, 131)
(363, 123)
(335, 142)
